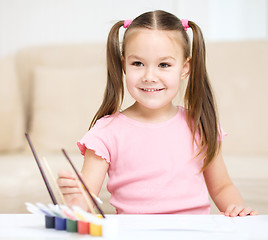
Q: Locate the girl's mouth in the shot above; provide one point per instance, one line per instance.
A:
(152, 89)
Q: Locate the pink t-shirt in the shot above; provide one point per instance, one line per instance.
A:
(152, 165)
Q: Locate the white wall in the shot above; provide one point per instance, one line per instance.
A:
(228, 20)
(26, 22)
(33, 22)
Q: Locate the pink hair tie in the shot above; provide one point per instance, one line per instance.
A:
(185, 24)
(127, 23)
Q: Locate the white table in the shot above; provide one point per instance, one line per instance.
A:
(167, 227)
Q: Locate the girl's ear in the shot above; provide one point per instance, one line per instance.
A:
(123, 64)
(186, 68)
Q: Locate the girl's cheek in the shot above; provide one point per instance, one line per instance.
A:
(133, 77)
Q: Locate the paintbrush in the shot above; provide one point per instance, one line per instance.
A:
(54, 181)
(41, 170)
(83, 183)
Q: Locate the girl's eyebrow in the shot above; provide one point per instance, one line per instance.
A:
(135, 57)
(160, 59)
(167, 58)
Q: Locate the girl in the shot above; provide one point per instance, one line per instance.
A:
(160, 158)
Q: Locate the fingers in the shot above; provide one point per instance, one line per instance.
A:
(245, 212)
(66, 191)
(65, 174)
(69, 187)
(67, 183)
(234, 210)
(254, 213)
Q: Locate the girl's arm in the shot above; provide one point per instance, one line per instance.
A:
(223, 192)
(93, 173)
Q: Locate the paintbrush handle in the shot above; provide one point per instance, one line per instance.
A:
(83, 191)
(41, 170)
(81, 180)
(54, 181)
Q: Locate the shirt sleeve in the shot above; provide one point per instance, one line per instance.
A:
(95, 139)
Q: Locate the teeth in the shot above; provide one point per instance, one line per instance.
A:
(150, 89)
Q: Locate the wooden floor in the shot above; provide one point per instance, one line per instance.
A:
(21, 181)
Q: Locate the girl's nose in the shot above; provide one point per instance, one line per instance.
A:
(149, 75)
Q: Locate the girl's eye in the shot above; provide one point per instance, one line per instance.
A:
(164, 65)
(137, 64)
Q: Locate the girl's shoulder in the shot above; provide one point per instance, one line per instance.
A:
(105, 121)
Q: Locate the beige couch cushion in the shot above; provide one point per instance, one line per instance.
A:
(238, 72)
(11, 115)
(62, 56)
(64, 102)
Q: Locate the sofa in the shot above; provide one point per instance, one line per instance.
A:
(53, 91)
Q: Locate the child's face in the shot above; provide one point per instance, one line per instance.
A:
(154, 66)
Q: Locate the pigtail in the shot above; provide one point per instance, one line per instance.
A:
(199, 101)
(114, 92)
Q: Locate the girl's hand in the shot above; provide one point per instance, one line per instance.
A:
(70, 189)
(235, 210)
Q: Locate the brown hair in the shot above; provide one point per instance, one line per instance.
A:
(199, 101)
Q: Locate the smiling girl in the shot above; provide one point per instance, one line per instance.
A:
(160, 158)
